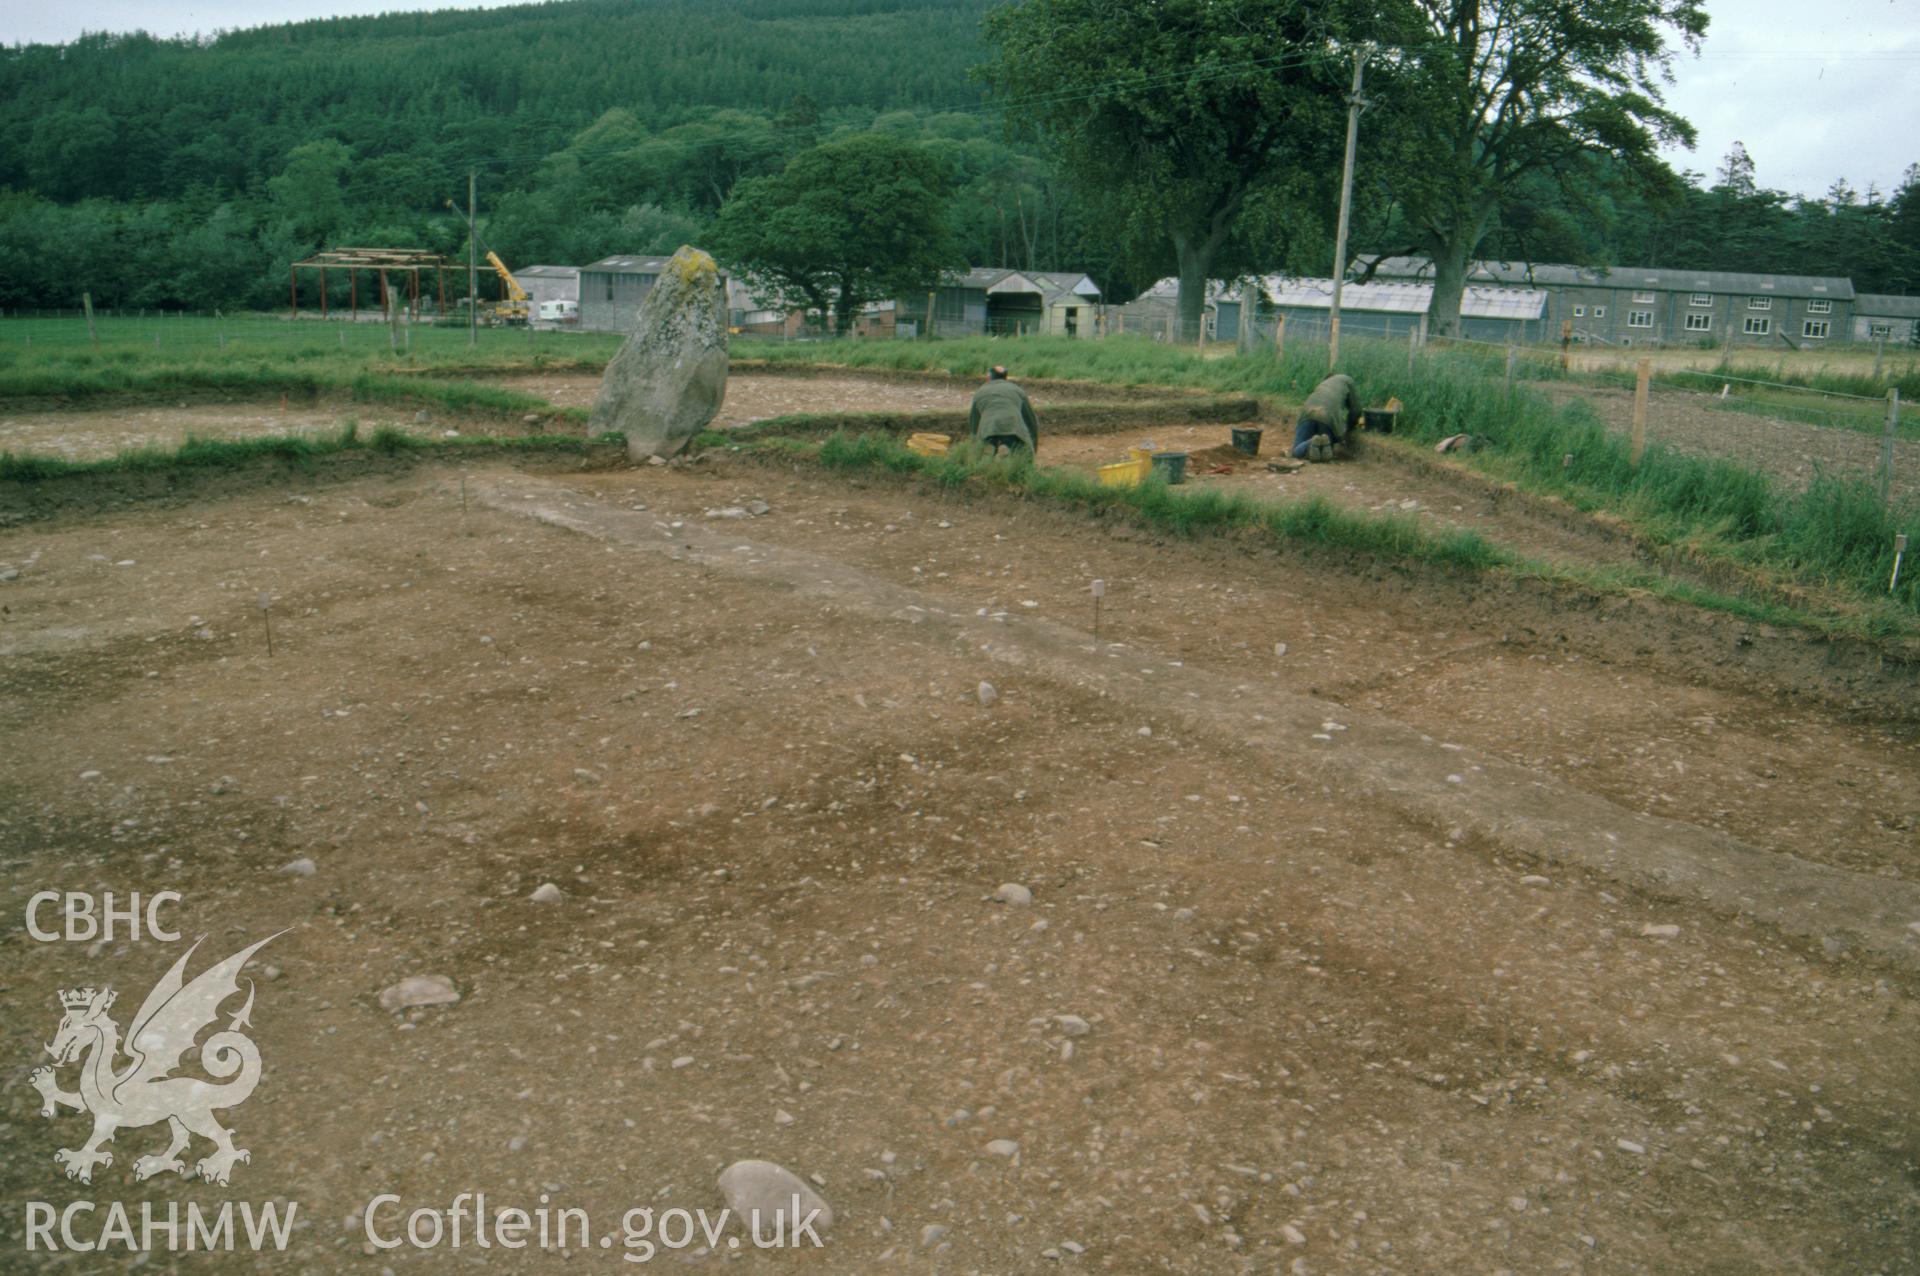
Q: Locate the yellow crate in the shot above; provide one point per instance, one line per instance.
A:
(1142, 454)
(1126, 473)
(929, 444)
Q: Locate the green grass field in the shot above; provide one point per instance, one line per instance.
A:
(126, 341)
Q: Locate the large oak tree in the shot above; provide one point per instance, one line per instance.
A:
(1170, 118)
(1481, 96)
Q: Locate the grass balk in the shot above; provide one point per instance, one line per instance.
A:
(1835, 534)
(199, 454)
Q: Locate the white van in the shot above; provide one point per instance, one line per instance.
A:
(559, 312)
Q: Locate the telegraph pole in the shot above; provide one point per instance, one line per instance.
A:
(473, 261)
(1355, 105)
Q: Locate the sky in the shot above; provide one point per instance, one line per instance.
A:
(1816, 91)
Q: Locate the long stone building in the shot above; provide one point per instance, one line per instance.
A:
(1633, 305)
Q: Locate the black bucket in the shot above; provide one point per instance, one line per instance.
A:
(1246, 439)
(1171, 466)
(1380, 420)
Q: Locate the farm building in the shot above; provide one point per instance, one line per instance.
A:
(549, 283)
(1632, 305)
(1487, 313)
(612, 289)
(1000, 301)
(1894, 320)
(1373, 310)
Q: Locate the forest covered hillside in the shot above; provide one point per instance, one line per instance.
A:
(189, 173)
(130, 116)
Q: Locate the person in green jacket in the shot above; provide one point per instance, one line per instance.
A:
(1326, 419)
(1002, 416)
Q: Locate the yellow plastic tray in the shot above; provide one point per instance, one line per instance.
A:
(929, 444)
(1126, 473)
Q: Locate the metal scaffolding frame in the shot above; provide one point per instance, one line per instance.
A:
(401, 261)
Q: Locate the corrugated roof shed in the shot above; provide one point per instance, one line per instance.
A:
(547, 272)
(1884, 306)
(628, 265)
(1478, 302)
(1636, 277)
(1048, 283)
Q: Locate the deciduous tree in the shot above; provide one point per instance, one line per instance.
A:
(846, 223)
(1169, 117)
(1483, 94)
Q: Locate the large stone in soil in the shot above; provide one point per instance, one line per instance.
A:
(762, 1186)
(670, 376)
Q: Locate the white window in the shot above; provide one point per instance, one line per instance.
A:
(1579, 312)
(1599, 312)
(1878, 330)
(1643, 298)
(1816, 329)
(1757, 327)
(1759, 303)
(1699, 323)
(1641, 318)
(1819, 307)
(1702, 299)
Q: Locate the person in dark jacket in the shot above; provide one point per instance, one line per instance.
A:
(1002, 416)
(1327, 419)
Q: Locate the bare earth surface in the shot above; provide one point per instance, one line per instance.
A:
(756, 396)
(93, 434)
(1265, 1012)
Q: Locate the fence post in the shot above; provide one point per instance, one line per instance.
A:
(1886, 445)
(1641, 380)
(1413, 346)
(1879, 349)
(1566, 345)
(1279, 336)
(86, 300)
(1509, 370)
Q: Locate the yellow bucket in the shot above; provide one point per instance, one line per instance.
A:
(929, 444)
(1126, 473)
(1143, 454)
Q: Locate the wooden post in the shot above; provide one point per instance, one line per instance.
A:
(930, 305)
(353, 291)
(86, 302)
(1509, 371)
(1886, 445)
(1566, 344)
(1413, 346)
(1644, 376)
(1879, 348)
(323, 292)
(293, 293)
(1279, 336)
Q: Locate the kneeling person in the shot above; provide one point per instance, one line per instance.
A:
(1326, 419)
(1002, 416)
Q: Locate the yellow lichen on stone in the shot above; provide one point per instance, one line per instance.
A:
(694, 266)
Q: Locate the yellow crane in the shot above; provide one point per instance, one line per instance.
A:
(514, 308)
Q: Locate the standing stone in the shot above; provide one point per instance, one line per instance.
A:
(670, 376)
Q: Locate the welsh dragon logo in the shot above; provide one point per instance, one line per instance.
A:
(144, 1090)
